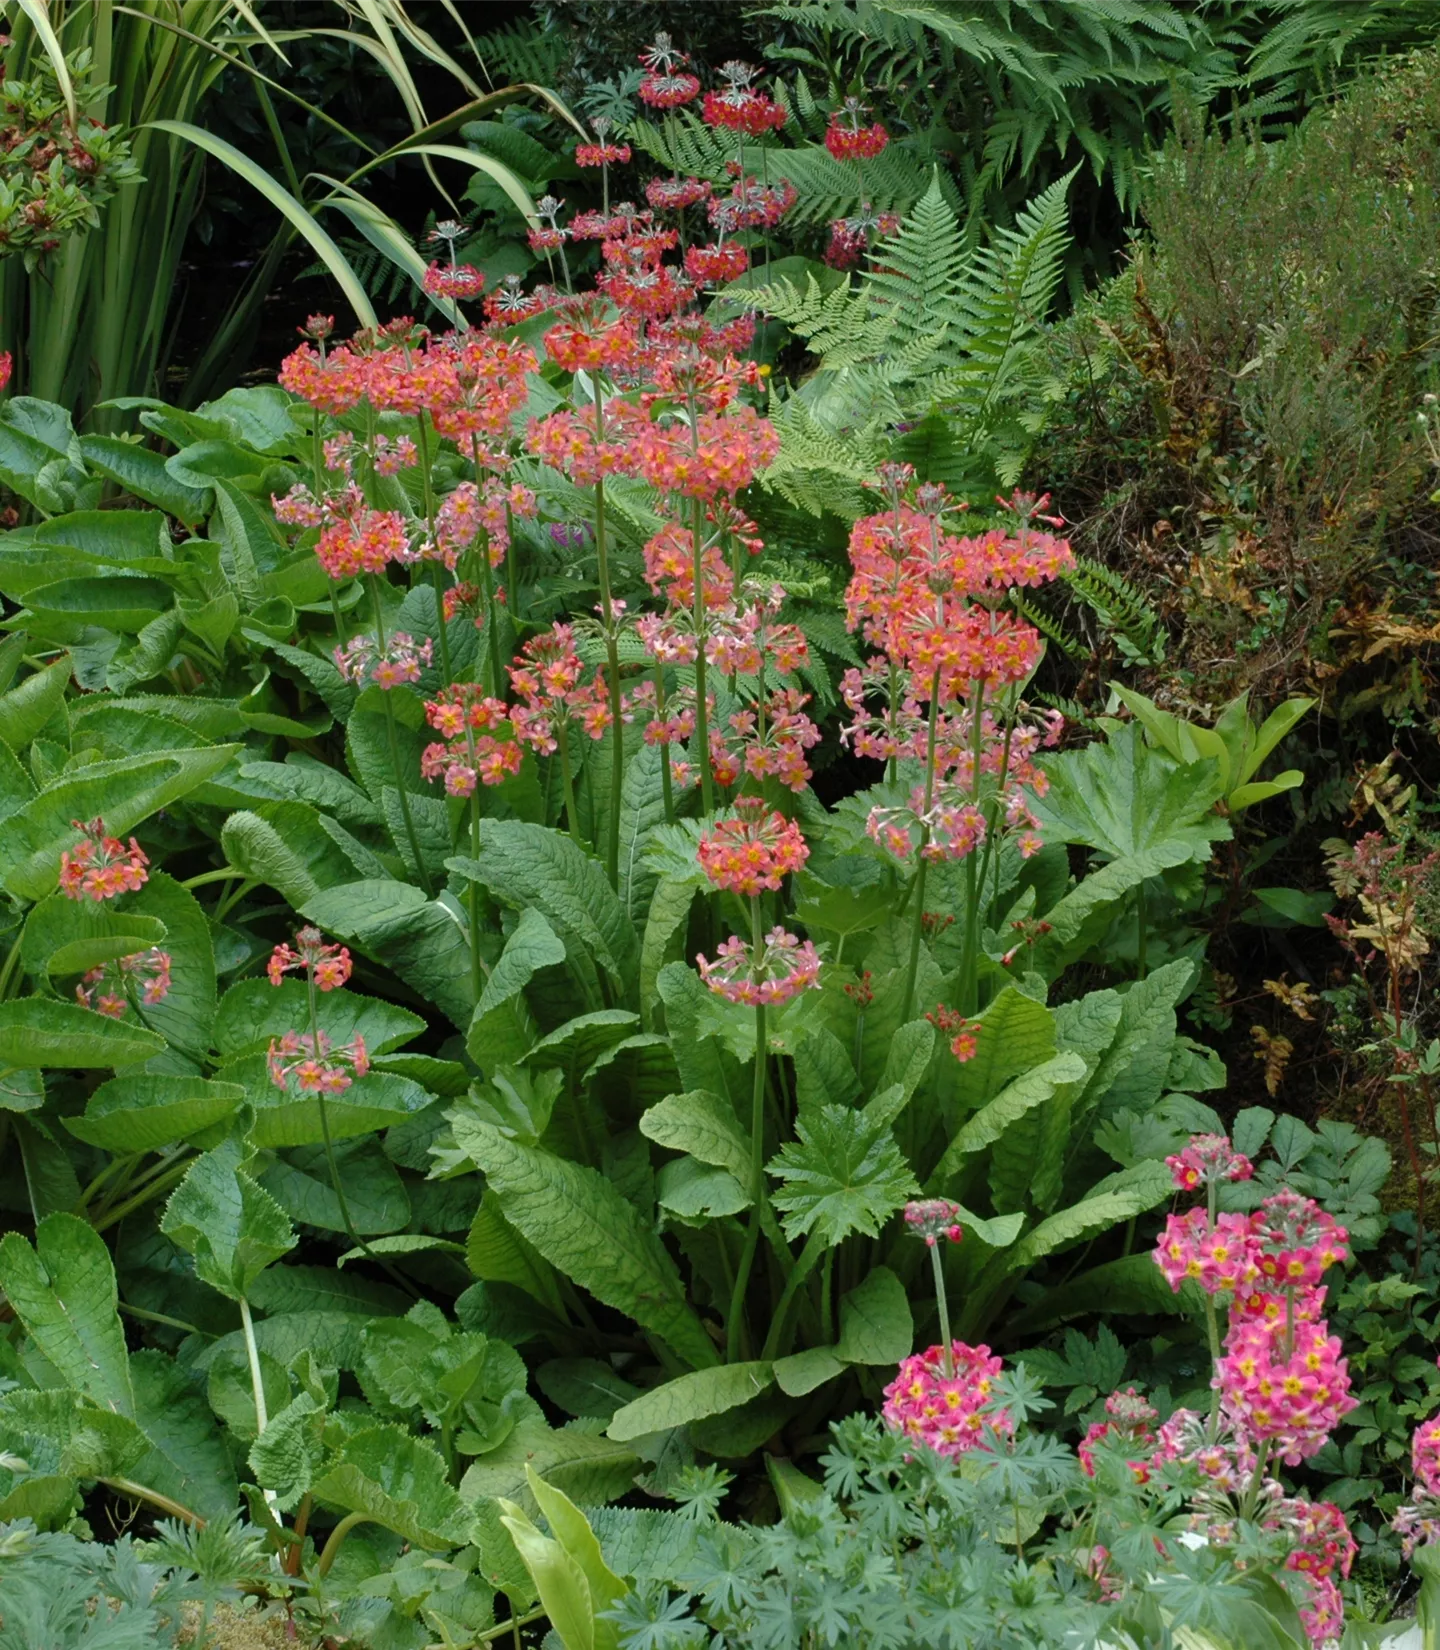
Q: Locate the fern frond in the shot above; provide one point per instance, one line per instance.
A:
(1123, 609)
(1051, 629)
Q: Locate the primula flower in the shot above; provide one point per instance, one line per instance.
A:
(318, 1066)
(1126, 1427)
(1206, 1161)
(1220, 1258)
(785, 967)
(1291, 1389)
(847, 137)
(328, 965)
(947, 1414)
(101, 866)
(738, 106)
(365, 541)
(675, 194)
(666, 84)
(714, 265)
(397, 663)
(1296, 1241)
(109, 989)
(453, 280)
(602, 154)
(933, 1218)
(752, 851)
(964, 1034)
(548, 683)
(472, 755)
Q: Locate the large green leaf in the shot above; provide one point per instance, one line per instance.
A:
(143, 473)
(144, 1113)
(1122, 797)
(1013, 1033)
(1032, 1088)
(254, 1011)
(503, 1029)
(399, 1481)
(531, 865)
(26, 709)
(286, 846)
(690, 1398)
(67, 936)
(589, 1467)
(664, 929)
(875, 1322)
(232, 1227)
(423, 941)
(702, 1124)
(122, 793)
(496, 1253)
(74, 1435)
(845, 1174)
(39, 1033)
(289, 1117)
(375, 1195)
(588, 1231)
(186, 1016)
(63, 1291)
(187, 1459)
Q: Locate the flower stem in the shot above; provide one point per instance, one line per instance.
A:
(437, 577)
(252, 1353)
(477, 982)
(702, 708)
(942, 1307)
(612, 665)
(917, 920)
(758, 1200)
(572, 813)
(337, 1537)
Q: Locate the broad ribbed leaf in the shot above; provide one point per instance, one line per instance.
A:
(65, 936)
(1121, 1198)
(702, 1124)
(142, 1114)
(187, 1459)
(74, 1435)
(496, 1253)
(423, 941)
(186, 1016)
(230, 1225)
(287, 1455)
(24, 710)
(690, 1398)
(587, 1230)
(530, 865)
(142, 472)
(875, 1322)
(398, 1481)
(39, 1033)
(375, 1195)
(1033, 1088)
(1014, 1033)
(503, 1028)
(589, 1467)
(845, 1174)
(254, 1011)
(664, 929)
(287, 1117)
(121, 793)
(286, 848)
(63, 1291)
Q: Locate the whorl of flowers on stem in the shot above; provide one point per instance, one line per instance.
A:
(933, 1218)
(100, 867)
(783, 967)
(547, 682)
(752, 851)
(849, 137)
(1126, 1428)
(666, 83)
(396, 663)
(328, 966)
(738, 107)
(948, 1413)
(111, 988)
(1207, 1160)
(468, 720)
(317, 1065)
(1289, 1385)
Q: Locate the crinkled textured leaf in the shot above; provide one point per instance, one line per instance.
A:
(144, 1113)
(702, 1124)
(664, 929)
(39, 1033)
(378, 1100)
(64, 936)
(845, 1174)
(375, 1195)
(523, 864)
(63, 1291)
(232, 1227)
(398, 1481)
(875, 1322)
(287, 1455)
(1032, 1088)
(503, 1028)
(121, 793)
(187, 1459)
(253, 1011)
(496, 1253)
(24, 710)
(588, 1466)
(64, 1431)
(578, 1221)
(187, 1015)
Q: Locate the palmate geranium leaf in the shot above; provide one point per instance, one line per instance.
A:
(845, 1174)
(1120, 797)
(231, 1225)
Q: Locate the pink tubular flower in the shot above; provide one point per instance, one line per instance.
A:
(453, 281)
(946, 1415)
(753, 850)
(468, 719)
(602, 154)
(144, 972)
(398, 663)
(847, 137)
(784, 968)
(100, 866)
(1219, 1258)
(1207, 1160)
(714, 265)
(1425, 1455)
(318, 1066)
(365, 542)
(1127, 1426)
(328, 965)
(1290, 1388)
(933, 1218)
(1296, 1241)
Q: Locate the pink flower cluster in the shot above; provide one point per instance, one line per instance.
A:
(752, 851)
(1207, 1160)
(946, 1413)
(110, 989)
(783, 967)
(396, 662)
(934, 1218)
(317, 1065)
(467, 718)
(327, 965)
(1285, 1381)
(1126, 1427)
(99, 867)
